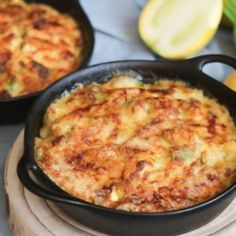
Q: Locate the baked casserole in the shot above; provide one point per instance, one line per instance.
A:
(38, 46)
(138, 147)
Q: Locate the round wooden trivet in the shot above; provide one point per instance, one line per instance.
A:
(30, 215)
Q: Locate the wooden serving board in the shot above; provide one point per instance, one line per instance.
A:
(30, 215)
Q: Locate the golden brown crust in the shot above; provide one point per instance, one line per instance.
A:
(138, 147)
(38, 46)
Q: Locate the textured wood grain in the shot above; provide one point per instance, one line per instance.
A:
(30, 215)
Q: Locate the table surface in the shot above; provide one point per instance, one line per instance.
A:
(114, 43)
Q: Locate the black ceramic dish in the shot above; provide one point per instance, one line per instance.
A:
(15, 109)
(112, 221)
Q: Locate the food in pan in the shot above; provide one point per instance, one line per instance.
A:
(38, 46)
(138, 147)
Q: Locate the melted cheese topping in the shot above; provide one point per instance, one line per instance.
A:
(138, 147)
(38, 46)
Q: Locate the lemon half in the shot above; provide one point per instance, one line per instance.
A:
(179, 28)
(231, 81)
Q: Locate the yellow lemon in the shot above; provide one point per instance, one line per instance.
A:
(179, 28)
(231, 81)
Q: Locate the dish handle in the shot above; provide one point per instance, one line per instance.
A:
(201, 61)
(23, 170)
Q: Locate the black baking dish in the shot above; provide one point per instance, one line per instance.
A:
(116, 222)
(15, 109)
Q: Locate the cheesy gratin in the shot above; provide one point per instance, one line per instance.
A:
(138, 147)
(38, 46)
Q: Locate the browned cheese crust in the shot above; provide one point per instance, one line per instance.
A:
(38, 46)
(138, 147)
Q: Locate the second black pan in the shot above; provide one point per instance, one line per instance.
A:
(14, 110)
(112, 221)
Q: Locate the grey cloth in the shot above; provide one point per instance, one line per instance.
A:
(116, 33)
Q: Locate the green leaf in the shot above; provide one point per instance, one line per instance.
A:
(230, 10)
